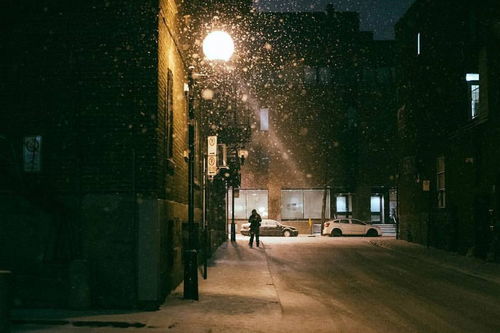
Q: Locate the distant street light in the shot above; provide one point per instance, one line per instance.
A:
(218, 45)
(243, 155)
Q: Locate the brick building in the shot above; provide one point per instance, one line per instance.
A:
(448, 91)
(325, 93)
(93, 192)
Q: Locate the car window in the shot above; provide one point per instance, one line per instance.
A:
(336, 221)
(358, 222)
(272, 223)
(344, 221)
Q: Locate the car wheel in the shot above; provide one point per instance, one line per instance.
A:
(372, 233)
(336, 233)
(287, 233)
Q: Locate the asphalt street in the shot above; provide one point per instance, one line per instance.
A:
(349, 285)
(314, 284)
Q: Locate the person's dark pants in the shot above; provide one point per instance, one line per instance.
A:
(252, 234)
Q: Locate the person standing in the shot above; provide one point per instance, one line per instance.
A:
(254, 221)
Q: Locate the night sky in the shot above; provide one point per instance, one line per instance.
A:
(378, 16)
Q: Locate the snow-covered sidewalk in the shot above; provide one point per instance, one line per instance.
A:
(238, 296)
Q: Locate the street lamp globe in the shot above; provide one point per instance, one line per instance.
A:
(218, 45)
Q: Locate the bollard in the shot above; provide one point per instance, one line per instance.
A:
(5, 300)
(191, 274)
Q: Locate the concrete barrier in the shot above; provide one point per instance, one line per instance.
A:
(5, 300)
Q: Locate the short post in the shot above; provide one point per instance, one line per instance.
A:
(233, 227)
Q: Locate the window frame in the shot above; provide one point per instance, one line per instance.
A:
(474, 95)
(441, 182)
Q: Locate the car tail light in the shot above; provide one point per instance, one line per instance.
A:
(327, 224)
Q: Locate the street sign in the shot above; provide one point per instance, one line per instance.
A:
(212, 145)
(32, 148)
(212, 165)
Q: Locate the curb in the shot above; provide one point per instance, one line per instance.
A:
(78, 323)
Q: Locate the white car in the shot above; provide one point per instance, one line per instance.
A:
(348, 226)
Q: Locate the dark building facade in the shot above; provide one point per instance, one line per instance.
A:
(94, 181)
(448, 95)
(323, 139)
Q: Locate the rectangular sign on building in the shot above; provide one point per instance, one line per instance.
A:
(212, 145)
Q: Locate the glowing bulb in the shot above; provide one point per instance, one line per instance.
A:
(218, 45)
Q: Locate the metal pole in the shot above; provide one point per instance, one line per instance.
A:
(205, 222)
(227, 211)
(190, 254)
(233, 227)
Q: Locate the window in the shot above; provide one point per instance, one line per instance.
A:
(248, 200)
(304, 204)
(344, 221)
(344, 205)
(292, 204)
(441, 188)
(358, 222)
(377, 208)
(310, 75)
(473, 87)
(418, 43)
(324, 75)
(264, 119)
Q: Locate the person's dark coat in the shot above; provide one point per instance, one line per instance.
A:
(254, 221)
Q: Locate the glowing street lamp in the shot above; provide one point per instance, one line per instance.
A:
(218, 45)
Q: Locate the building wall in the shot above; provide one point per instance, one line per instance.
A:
(435, 121)
(90, 79)
(328, 117)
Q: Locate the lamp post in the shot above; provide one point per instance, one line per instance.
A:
(190, 255)
(217, 46)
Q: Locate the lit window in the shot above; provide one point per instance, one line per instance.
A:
(472, 77)
(418, 43)
(441, 188)
(376, 208)
(247, 201)
(344, 205)
(292, 204)
(264, 119)
(304, 204)
(375, 204)
(313, 204)
(473, 87)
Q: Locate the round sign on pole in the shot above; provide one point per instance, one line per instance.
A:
(212, 165)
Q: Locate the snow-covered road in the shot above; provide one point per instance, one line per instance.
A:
(348, 285)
